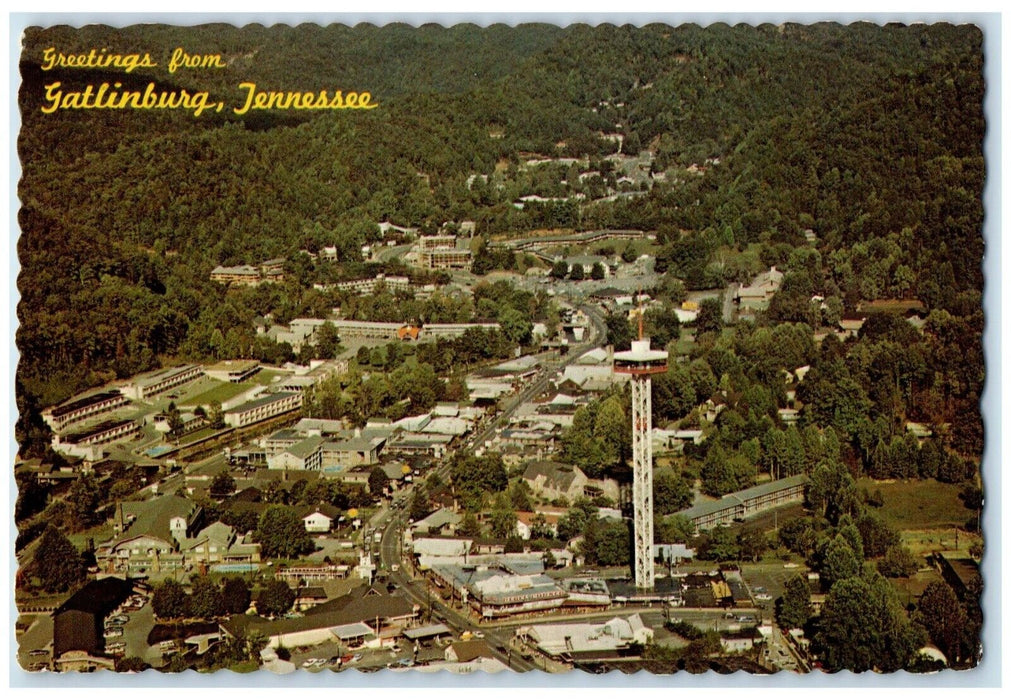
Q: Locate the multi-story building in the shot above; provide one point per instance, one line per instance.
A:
(234, 371)
(58, 417)
(742, 504)
(148, 385)
(262, 408)
(78, 444)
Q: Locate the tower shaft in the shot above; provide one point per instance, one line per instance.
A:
(642, 479)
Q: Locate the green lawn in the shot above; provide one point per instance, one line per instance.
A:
(222, 392)
(265, 377)
(919, 505)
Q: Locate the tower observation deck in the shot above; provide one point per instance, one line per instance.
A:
(641, 363)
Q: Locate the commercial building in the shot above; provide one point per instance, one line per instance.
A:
(78, 624)
(583, 641)
(304, 455)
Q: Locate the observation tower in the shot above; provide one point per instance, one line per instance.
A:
(641, 363)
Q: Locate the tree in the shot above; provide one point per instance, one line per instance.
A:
(671, 493)
(235, 596)
(327, 341)
(619, 332)
(222, 485)
(205, 600)
(839, 561)
(794, 609)
(169, 600)
(577, 273)
(420, 503)
(864, 627)
(515, 325)
(753, 544)
(597, 271)
(614, 544)
(275, 599)
(720, 545)
(898, 561)
(131, 664)
(378, 481)
(281, 533)
(84, 497)
(503, 518)
(560, 270)
(58, 564)
(876, 534)
(941, 614)
(710, 318)
(216, 415)
(673, 529)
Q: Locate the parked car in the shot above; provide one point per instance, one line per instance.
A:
(763, 596)
(117, 620)
(112, 632)
(116, 648)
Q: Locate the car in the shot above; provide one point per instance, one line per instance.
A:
(112, 632)
(117, 621)
(478, 634)
(333, 660)
(116, 648)
(39, 652)
(763, 596)
(356, 657)
(790, 565)
(346, 658)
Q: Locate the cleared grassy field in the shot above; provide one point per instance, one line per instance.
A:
(222, 393)
(919, 505)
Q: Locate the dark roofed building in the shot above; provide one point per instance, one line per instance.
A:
(555, 480)
(385, 614)
(78, 623)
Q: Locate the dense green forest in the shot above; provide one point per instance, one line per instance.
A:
(871, 136)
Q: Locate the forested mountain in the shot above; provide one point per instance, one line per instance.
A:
(871, 136)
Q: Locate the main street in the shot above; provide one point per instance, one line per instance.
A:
(391, 520)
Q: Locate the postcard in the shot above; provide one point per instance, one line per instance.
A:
(512, 348)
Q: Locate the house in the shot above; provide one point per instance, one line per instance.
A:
(553, 480)
(546, 518)
(309, 597)
(757, 295)
(442, 521)
(468, 651)
(319, 518)
(78, 624)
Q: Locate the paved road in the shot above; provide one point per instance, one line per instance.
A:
(392, 520)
